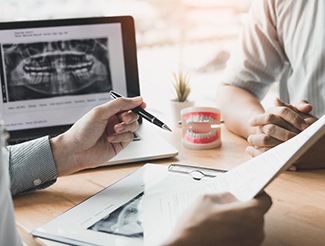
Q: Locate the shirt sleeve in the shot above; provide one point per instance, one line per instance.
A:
(31, 166)
(259, 58)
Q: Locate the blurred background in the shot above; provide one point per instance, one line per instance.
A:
(192, 35)
(159, 22)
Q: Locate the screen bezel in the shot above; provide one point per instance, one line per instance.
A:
(130, 61)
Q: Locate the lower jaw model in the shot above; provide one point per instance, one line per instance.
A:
(201, 130)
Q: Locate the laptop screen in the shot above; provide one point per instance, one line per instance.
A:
(54, 71)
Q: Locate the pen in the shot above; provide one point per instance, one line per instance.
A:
(140, 111)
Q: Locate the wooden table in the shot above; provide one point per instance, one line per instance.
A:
(297, 216)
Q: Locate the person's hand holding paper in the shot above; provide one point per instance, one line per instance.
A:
(221, 220)
(244, 182)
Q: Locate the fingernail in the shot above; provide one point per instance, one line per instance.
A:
(119, 128)
(304, 125)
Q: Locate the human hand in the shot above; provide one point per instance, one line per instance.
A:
(222, 220)
(96, 137)
(278, 124)
(303, 108)
(314, 158)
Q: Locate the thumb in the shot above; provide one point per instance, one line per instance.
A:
(262, 201)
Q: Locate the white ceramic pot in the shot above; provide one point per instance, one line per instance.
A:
(176, 108)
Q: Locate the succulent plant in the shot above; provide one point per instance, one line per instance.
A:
(182, 86)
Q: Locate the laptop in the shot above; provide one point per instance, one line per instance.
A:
(55, 71)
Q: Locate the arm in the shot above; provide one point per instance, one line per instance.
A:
(238, 106)
(257, 61)
(92, 141)
(97, 136)
(222, 220)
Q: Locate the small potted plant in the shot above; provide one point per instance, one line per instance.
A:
(182, 89)
(181, 85)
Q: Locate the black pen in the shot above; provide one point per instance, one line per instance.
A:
(140, 111)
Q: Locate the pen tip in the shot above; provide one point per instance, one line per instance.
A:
(166, 127)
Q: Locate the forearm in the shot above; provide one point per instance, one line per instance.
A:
(237, 108)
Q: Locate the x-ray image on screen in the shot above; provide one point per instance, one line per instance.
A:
(125, 221)
(57, 68)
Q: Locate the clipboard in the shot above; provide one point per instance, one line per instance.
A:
(84, 224)
(197, 173)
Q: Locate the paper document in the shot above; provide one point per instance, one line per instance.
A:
(244, 182)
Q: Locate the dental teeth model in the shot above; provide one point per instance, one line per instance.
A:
(201, 127)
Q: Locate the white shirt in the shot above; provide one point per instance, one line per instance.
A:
(283, 40)
(8, 232)
(31, 167)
